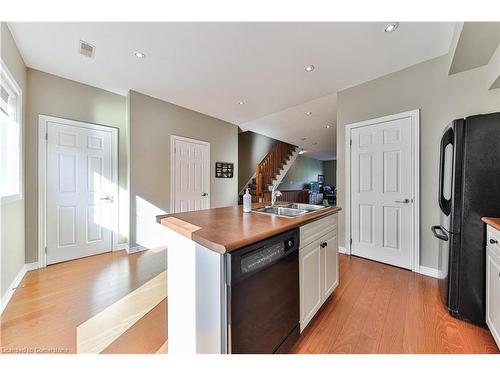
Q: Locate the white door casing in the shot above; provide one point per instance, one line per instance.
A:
(79, 192)
(383, 190)
(190, 175)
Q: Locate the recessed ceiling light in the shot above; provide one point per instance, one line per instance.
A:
(328, 126)
(139, 55)
(301, 152)
(309, 113)
(391, 27)
(309, 68)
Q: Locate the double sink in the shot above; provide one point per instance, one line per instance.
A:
(289, 210)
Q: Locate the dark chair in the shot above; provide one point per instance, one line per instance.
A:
(329, 194)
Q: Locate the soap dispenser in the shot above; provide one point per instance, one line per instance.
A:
(247, 201)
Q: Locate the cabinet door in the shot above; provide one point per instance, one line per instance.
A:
(310, 282)
(493, 294)
(329, 263)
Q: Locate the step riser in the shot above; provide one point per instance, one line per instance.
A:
(279, 174)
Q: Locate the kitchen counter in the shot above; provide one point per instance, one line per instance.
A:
(226, 229)
(493, 221)
(200, 290)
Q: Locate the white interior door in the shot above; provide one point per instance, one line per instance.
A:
(81, 206)
(190, 175)
(382, 192)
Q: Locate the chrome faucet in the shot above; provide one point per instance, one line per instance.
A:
(274, 193)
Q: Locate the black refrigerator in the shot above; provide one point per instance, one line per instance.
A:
(469, 188)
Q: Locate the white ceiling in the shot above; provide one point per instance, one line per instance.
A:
(210, 67)
(293, 125)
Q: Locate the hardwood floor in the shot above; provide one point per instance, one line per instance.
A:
(383, 309)
(50, 303)
(376, 309)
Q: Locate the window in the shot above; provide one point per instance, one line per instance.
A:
(10, 137)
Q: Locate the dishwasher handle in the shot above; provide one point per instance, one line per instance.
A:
(442, 236)
(255, 258)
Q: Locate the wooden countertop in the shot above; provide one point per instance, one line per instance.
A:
(227, 229)
(493, 221)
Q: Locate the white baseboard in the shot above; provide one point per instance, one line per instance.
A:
(428, 271)
(343, 250)
(135, 249)
(15, 283)
(31, 266)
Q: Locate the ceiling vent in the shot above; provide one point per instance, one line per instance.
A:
(87, 49)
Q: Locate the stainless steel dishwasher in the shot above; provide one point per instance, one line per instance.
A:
(263, 295)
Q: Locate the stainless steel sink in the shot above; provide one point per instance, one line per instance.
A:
(289, 210)
(305, 206)
(281, 211)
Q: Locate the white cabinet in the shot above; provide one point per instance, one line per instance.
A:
(318, 259)
(330, 264)
(310, 282)
(493, 283)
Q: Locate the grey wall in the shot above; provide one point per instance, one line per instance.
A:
(252, 148)
(152, 122)
(12, 250)
(59, 97)
(330, 172)
(441, 98)
(304, 170)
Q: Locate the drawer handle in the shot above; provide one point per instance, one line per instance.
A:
(492, 241)
(323, 244)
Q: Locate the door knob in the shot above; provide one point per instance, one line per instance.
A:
(107, 198)
(403, 201)
(492, 241)
(204, 195)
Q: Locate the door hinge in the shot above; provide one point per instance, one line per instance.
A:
(46, 136)
(350, 142)
(350, 241)
(45, 249)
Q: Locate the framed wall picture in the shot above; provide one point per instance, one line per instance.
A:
(321, 178)
(224, 169)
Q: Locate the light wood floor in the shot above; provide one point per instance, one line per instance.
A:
(50, 303)
(382, 309)
(376, 309)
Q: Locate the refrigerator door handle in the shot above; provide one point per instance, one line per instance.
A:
(447, 139)
(442, 236)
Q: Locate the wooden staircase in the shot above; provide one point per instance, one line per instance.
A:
(271, 170)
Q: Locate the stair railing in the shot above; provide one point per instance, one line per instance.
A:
(269, 167)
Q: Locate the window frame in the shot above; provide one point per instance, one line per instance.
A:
(6, 75)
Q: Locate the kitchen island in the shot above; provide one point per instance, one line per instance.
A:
(200, 247)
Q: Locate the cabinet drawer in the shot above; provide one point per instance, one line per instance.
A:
(313, 231)
(493, 240)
